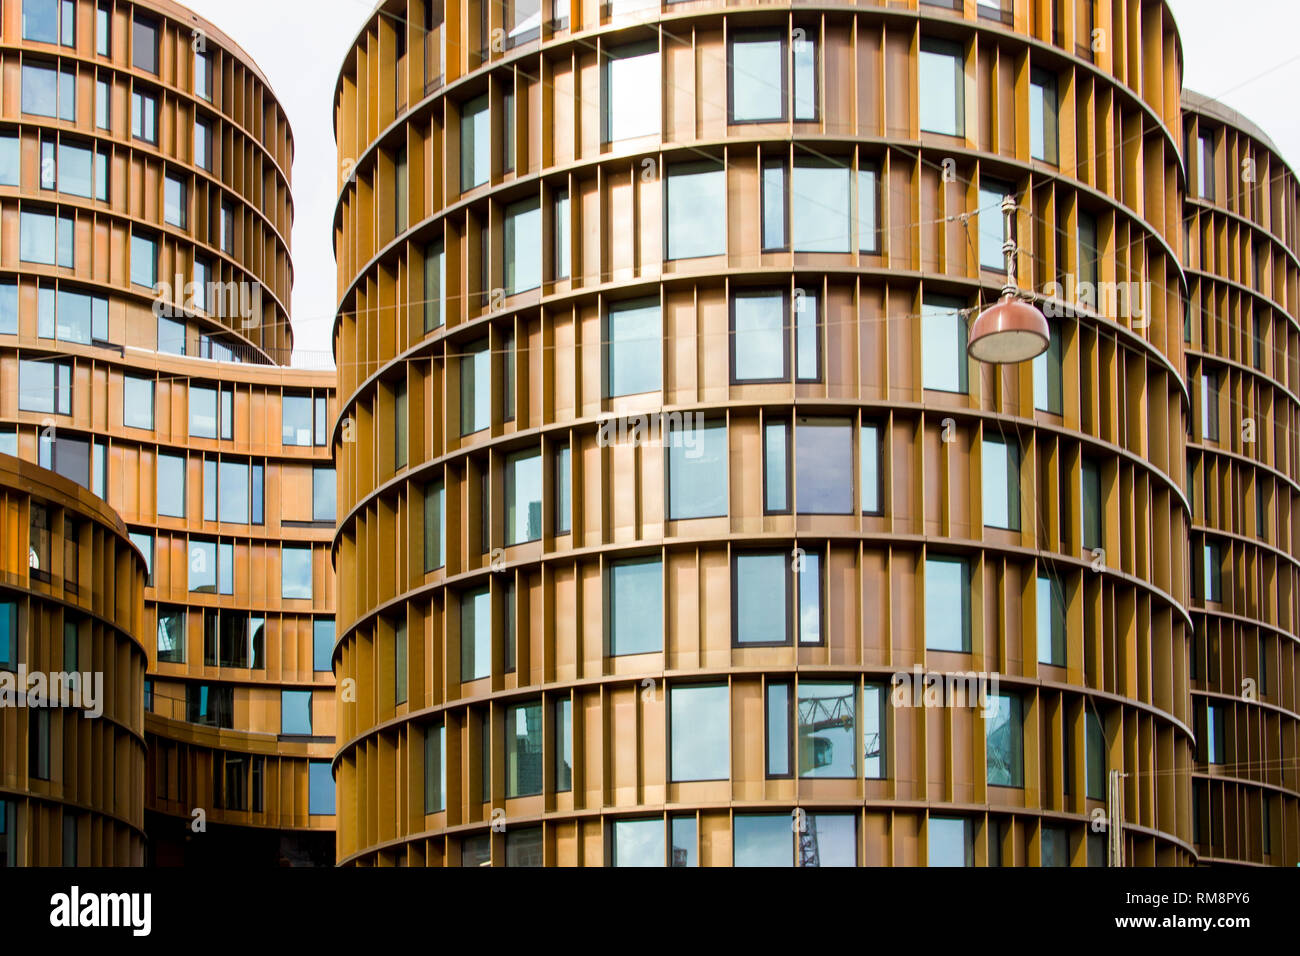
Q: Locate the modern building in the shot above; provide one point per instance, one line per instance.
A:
(1243, 481)
(756, 235)
(145, 275)
(72, 666)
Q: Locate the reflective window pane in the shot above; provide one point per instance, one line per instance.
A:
(778, 730)
(633, 353)
(827, 714)
(943, 345)
(523, 246)
(635, 607)
(697, 471)
(296, 573)
(632, 93)
(823, 455)
(831, 840)
(762, 839)
(699, 716)
(947, 604)
(475, 143)
(757, 72)
(696, 204)
(776, 467)
(523, 481)
(171, 485)
(820, 207)
(475, 634)
(948, 842)
(638, 842)
(762, 609)
(759, 337)
(941, 87)
(1051, 621)
(524, 749)
(1003, 738)
(322, 644)
(1001, 484)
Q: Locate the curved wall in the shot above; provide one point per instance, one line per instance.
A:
(541, 232)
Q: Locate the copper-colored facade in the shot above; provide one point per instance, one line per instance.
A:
(1243, 479)
(142, 353)
(507, 214)
(72, 666)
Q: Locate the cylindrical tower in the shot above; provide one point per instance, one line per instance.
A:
(144, 329)
(671, 508)
(1243, 472)
(72, 666)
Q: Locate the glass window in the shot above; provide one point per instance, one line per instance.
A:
(820, 206)
(758, 339)
(1088, 259)
(203, 411)
(1090, 477)
(637, 842)
(697, 471)
(202, 76)
(778, 730)
(45, 239)
(942, 87)
(171, 485)
(475, 387)
(8, 635)
(322, 641)
(144, 542)
(823, 454)
(868, 210)
(870, 459)
(324, 488)
(45, 386)
(75, 170)
(523, 246)
(171, 635)
(757, 78)
(103, 105)
(943, 345)
(1211, 580)
(774, 238)
(400, 423)
(475, 143)
(1212, 749)
(175, 201)
(803, 52)
(295, 712)
(43, 88)
(947, 604)
(144, 261)
(212, 565)
(435, 285)
(700, 722)
(203, 147)
(563, 240)
(524, 749)
(475, 634)
(523, 497)
(685, 839)
(632, 92)
(524, 847)
(1209, 406)
(635, 607)
(233, 495)
(874, 700)
(761, 585)
(695, 198)
(563, 492)
(435, 524)
(830, 839)
(171, 336)
(807, 337)
(435, 778)
(762, 839)
(563, 745)
(296, 573)
(10, 161)
(948, 842)
(1094, 750)
(41, 20)
(633, 353)
(400, 663)
(1055, 846)
(992, 223)
(1204, 166)
(776, 467)
(144, 116)
(1001, 484)
(1042, 116)
(296, 420)
(1003, 732)
(1048, 394)
(144, 45)
(1051, 621)
(827, 729)
(320, 788)
(508, 130)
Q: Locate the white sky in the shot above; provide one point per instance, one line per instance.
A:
(1239, 51)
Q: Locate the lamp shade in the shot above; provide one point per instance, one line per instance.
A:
(1010, 330)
